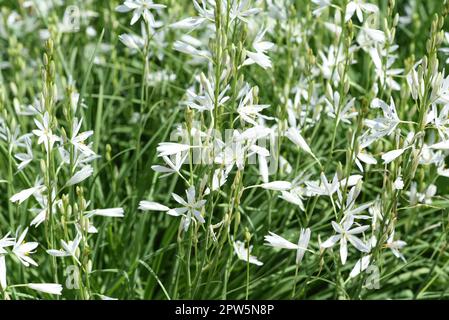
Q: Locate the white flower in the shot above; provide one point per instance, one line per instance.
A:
(336, 111)
(23, 249)
(418, 197)
(381, 126)
(322, 5)
(140, 8)
(344, 234)
(335, 56)
(78, 138)
(219, 178)
(205, 100)
(191, 206)
(357, 6)
(44, 133)
(39, 218)
(69, 249)
(248, 111)
(240, 10)
(244, 253)
(440, 89)
(395, 246)
(398, 183)
(51, 288)
(25, 158)
(6, 241)
(277, 241)
(325, 188)
(259, 57)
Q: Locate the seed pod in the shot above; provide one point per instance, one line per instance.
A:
(89, 266)
(52, 70)
(108, 152)
(49, 45)
(247, 235)
(69, 211)
(13, 88)
(237, 218)
(43, 166)
(340, 171)
(396, 20)
(45, 59)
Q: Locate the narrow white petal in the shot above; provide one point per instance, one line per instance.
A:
(295, 136)
(360, 266)
(343, 250)
(391, 155)
(331, 241)
(152, 206)
(80, 175)
(277, 185)
(110, 212)
(51, 288)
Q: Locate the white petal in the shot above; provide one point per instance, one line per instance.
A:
(170, 148)
(391, 155)
(360, 266)
(366, 158)
(331, 241)
(80, 175)
(152, 206)
(22, 195)
(57, 253)
(295, 136)
(3, 283)
(277, 185)
(121, 8)
(343, 250)
(358, 230)
(110, 212)
(51, 288)
(277, 241)
(358, 244)
(188, 23)
(176, 212)
(350, 9)
(303, 242)
(444, 145)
